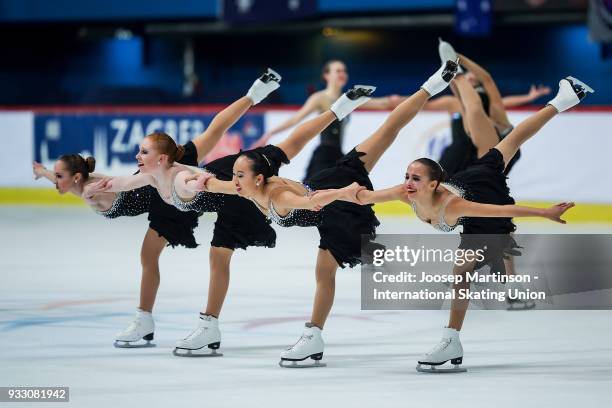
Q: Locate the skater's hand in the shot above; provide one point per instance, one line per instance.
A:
(200, 180)
(555, 212)
(351, 192)
(38, 170)
(99, 186)
(312, 194)
(536, 91)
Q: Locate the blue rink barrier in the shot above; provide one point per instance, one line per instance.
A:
(114, 139)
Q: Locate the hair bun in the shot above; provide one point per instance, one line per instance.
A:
(180, 152)
(91, 164)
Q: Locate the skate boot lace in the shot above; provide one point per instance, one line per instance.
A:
(134, 325)
(442, 345)
(301, 340)
(199, 330)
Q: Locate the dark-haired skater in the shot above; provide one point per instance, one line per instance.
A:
(479, 199)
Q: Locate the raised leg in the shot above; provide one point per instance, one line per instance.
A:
(479, 126)
(520, 134)
(220, 124)
(375, 145)
(304, 133)
(152, 247)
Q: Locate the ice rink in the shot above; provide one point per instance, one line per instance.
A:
(70, 281)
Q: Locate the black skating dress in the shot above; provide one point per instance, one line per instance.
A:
(462, 153)
(343, 227)
(169, 222)
(329, 150)
(485, 182)
(239, 223)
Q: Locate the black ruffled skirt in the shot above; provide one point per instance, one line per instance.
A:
(239, 223)
(176, 226)
(345, 226)
(485, 182)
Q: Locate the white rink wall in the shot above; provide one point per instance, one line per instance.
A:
(567, 160)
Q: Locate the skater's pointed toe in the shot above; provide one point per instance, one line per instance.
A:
(571, 92)
(264, 86)
(441, 78)
(351, 100)
(447, 53)
(271, 75)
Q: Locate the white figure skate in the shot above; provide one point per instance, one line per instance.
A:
(351, 100)
(264, 86)
(141, 328)
(310, 345)
(447, 53)
(204, 341)
(449, 348)
(571, 92)
(441, 78)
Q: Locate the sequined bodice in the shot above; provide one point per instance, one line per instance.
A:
(441, 224)
(202, 202)
(129, 203)
(296, 217)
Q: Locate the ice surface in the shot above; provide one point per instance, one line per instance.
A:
(69, 280)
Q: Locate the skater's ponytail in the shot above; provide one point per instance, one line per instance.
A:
(164, 144)
(75, 163)
(436, 172)
(260, 164)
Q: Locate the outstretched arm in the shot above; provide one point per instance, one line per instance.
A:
(205, 181)
(533, 94)
(385, 102)
(41, 171)
(458, 208)
(121, 183)
(381, 196)
(289, 199)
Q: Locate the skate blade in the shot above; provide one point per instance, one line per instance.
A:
(431, 369)
(179, 352)
(278, 78)
(367, 88)
(521, 307)
(579, 82)
(294, 364)
(127, 344)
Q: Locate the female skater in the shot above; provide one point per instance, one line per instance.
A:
(466, 148)
(177, 185)
(484, 207)
(341, 225)
(329, 150)
(168, 225)
(469, 144)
